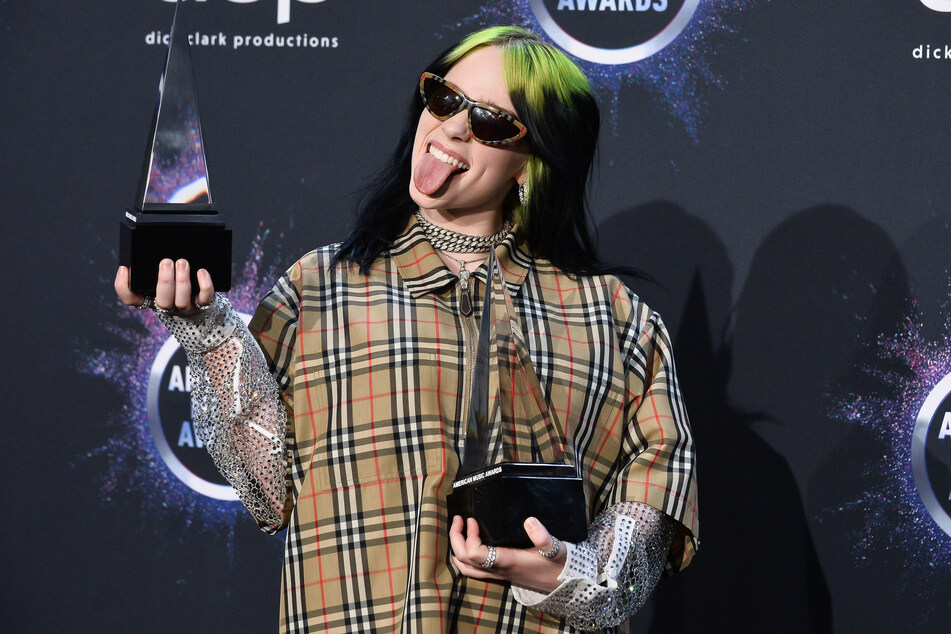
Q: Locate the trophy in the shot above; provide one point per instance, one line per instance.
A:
(173, 214)
(502, 495)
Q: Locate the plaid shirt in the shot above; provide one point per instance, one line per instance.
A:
(375, 374)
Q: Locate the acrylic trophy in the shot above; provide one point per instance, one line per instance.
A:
(173, 214)
(502, 495)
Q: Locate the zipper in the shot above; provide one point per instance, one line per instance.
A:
(468, 337)
(465, 297)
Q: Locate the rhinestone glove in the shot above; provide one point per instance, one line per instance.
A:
(236, 406)
(609, 577)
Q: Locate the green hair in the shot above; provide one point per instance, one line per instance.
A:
(539, 76)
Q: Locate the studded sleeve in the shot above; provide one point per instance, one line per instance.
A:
(607, 578)
(236, 407)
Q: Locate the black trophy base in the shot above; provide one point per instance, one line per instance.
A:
(503, 496)
(202, 239)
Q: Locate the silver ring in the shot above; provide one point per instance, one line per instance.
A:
(163, 311)
(555, 547)
(490, 558)
(148, 302)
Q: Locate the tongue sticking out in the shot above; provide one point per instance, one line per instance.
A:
(431, 173)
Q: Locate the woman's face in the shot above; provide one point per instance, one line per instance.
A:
(480, 176)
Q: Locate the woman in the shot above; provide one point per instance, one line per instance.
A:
(370, 346)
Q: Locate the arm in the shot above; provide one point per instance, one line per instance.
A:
(596, 584)
(648, 491)
(608, 578)
(236, 407)
(649, 522)
(235, 400)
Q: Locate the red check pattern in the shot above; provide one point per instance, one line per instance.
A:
(375, 373)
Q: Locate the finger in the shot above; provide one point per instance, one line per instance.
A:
(126, 296)
(473, 539)
(460, 558)
(476, 550)
(543, 541)
(183, 286)
(206, 290)
(478, 553)
(476, 571)
(165, 289)
(456, 540)
(472, 549)
(537, 532)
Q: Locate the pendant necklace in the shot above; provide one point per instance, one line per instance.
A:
(465, 300)
(444, 240)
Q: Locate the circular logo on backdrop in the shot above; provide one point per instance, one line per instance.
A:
(931, 454)
(613, 31)
(938, 5)
(173, 431)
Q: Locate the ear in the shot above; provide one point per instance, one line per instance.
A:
(521, 176)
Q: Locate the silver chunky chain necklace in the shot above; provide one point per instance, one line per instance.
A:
(446, 240)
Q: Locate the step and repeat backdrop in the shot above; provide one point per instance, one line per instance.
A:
(779, 167)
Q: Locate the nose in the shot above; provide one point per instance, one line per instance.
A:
(457, 126)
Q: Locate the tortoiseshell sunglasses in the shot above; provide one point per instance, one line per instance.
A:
(488, 124)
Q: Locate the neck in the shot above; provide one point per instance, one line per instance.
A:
(481, 223)
(449, 241)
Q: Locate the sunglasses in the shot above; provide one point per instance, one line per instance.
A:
(488, 124)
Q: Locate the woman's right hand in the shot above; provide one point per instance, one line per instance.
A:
(173, 290)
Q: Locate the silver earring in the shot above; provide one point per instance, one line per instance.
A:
(523, 193)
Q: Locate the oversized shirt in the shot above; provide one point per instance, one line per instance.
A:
(375, 372)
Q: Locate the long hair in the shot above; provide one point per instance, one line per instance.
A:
(553, 99)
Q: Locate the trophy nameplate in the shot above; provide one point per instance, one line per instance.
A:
(502, 496)
(173, 215)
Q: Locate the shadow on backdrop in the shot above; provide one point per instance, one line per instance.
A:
(757, 567)
(821, 285)
(864, 533)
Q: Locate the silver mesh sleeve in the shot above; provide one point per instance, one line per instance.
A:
(236, 406)
(608, 578)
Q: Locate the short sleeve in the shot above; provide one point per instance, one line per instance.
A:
(658, 450)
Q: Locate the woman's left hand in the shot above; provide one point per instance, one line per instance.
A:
(521, 567)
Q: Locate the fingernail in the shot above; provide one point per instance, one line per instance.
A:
(531, 524)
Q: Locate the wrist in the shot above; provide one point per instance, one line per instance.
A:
(205, 330)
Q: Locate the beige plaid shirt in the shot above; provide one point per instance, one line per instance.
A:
(375, 373)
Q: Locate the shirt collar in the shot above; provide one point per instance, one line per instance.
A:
(422, 270)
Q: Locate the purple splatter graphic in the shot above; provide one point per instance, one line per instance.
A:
(675, 76)
(908, 367)
(133, 464)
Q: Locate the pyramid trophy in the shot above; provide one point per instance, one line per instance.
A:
(503, 495)
(173, 214)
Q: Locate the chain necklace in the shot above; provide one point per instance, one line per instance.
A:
(446, 240)
(465, 300)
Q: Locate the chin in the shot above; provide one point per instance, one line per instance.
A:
(422, 200)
